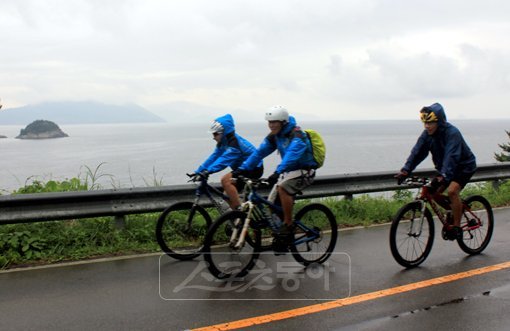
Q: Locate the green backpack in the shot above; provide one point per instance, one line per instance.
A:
(318, 146)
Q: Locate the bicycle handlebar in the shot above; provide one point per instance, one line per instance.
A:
(413, 180)
(195, 177)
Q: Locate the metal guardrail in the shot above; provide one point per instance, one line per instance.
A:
(28, 208)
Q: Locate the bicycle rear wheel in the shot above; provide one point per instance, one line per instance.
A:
(181, 229)
(315, 234)
(477, 225)
(411, 235)
(224, 259)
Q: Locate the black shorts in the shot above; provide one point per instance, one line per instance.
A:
(462, 178)
(253, 174)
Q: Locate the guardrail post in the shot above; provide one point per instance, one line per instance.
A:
(496, 184)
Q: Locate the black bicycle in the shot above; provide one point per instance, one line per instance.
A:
(234, 241)
(182, 226)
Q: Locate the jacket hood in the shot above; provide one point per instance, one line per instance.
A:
(289, 126)
(228, 123)
(438, 110)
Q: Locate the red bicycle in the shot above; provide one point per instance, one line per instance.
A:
(412, 229)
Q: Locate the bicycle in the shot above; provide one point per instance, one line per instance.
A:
(182, 226)
(233, 243)
(412, 229)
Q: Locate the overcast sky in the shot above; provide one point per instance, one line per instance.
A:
(356, 59)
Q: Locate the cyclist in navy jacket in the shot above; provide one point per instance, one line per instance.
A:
(297, 168)
(452, 158)
(231, 151)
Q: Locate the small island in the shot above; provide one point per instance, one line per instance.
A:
(41, 129)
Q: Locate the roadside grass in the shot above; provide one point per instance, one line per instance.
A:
(51, 242)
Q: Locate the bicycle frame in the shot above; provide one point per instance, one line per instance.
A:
(208, 190)
(436, 200)
(255, 207)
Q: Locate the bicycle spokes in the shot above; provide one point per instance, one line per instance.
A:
(411, 235)
(477, 224)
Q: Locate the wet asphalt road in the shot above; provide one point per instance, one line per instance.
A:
(158, 293)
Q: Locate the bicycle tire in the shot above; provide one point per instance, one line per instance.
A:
(315, 217)
(224, 261)
(476, 239)
(410, 248)
(174, 236)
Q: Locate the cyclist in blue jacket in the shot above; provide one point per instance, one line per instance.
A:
(297, 168)
(451, 156)
(231, 151)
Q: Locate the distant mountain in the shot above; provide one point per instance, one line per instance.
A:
(186, 112)
(189, 112)
(78, 112)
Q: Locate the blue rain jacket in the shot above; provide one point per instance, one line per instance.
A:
(292, 144)
(231, 151)
(450, 153)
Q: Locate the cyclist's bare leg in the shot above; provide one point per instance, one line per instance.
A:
(287, 202)
(231, 191)
(454, 194)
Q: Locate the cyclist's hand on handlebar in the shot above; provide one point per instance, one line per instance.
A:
(204, 174)
(273, 179)
(401, 176)
(192, 176)
(437, 182)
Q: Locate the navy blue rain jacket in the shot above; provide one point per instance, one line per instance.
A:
(292, 144)
(450, 153)
(231, 151)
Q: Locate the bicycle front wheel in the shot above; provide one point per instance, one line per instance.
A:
(411, 235)
(477, 224)
(315, 234)
(227, 254)
(181, 229)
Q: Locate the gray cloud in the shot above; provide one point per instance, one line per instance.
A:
(222, 53)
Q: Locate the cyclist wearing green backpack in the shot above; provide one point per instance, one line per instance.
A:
(297, 168)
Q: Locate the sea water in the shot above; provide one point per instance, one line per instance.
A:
(139, 155)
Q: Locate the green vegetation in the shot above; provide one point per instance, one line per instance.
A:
(87, 180)
(505, 155)
(73, 240)
(49, 242)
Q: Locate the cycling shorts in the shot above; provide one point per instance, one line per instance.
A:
(294, 182)
(462, 178)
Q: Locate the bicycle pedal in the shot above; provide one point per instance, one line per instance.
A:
(452, 233)
(279, 247)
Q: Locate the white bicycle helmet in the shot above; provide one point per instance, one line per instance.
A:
(277, 113)
(216, 127)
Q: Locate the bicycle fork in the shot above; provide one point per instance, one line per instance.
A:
(238, 242)
(412, 227)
